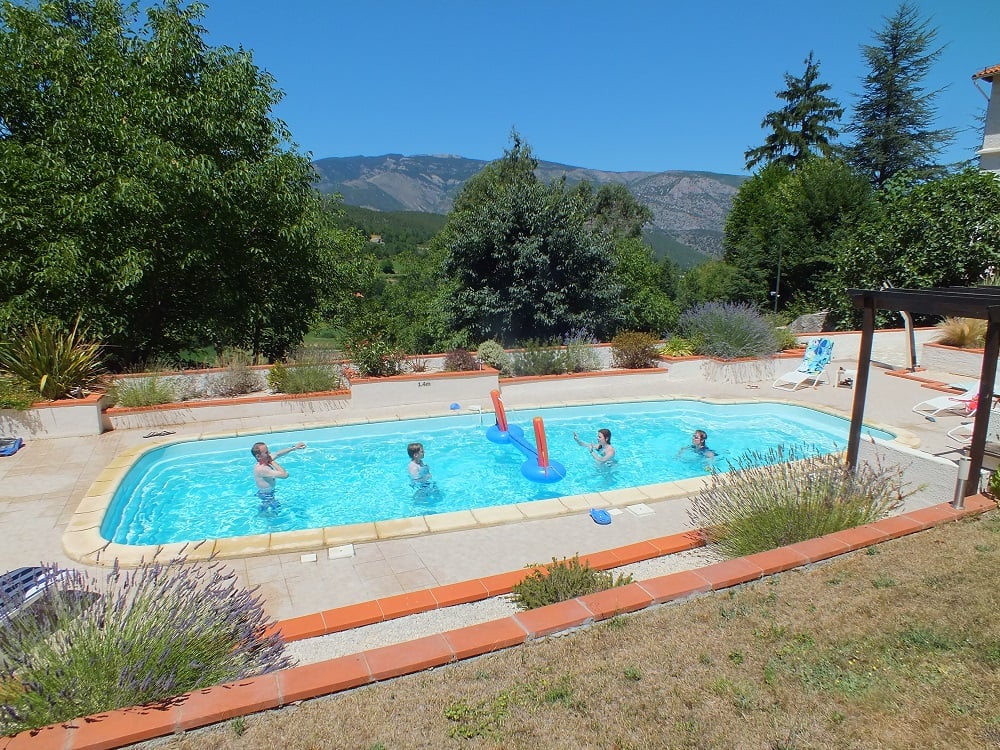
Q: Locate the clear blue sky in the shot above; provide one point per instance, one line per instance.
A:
(645, 85)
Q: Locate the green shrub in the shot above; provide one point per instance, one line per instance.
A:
(277, 377)
(780, 497)
(460, 360)
(966, 333)
(786, 339)
(728, 330)
(633, 350)
(492, 354)
(149, 390)
(52, 363)
(147, 635)
(535, 358)
(15, 394)
(677, 346)
(561, 580)
(376, 358)
(237, 378)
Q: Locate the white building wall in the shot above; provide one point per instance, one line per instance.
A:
(989, 155)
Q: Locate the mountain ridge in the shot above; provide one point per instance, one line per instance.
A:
(688, 206)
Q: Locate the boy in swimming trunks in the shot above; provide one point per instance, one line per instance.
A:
(699, 444)
(267, 471)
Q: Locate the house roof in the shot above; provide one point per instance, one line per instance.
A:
(987, 74)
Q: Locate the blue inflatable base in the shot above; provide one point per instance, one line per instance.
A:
(552, 473)
(495, 435)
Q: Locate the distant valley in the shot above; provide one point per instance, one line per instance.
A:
(689, 208)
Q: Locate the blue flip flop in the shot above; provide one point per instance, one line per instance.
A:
(600, 516)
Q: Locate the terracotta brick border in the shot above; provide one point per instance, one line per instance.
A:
(203, 707)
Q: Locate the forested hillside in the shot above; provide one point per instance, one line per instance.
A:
(689, 208)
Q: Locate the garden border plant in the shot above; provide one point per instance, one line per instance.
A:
(144, 636)
(767, 500)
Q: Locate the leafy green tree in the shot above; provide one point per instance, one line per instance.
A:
(521, 260)
(715, 281)
(613, 208)
(783, 229)
(924, 234)
(802, 127)
(893, 117)
(144, 184)
(647, 286)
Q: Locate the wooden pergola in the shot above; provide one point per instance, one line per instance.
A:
(980, 302)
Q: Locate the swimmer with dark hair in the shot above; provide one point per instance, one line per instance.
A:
(601, 451)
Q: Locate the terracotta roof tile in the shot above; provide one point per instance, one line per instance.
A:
(988, 73)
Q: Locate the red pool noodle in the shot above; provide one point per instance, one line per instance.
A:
(542, 446)
(498, 408)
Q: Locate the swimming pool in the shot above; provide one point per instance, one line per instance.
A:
(357, 473)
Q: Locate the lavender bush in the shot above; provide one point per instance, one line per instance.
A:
(728, 330)
(579, 352)
(782, 496)
(139, 637)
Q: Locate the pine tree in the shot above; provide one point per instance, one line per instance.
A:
(893, 115)
(802, 126)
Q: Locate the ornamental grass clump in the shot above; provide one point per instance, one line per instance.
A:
(54, 364)
(728, 330)
(782, 496)
(965, 333)
(561, 580)
(140, 637)
(308, 371)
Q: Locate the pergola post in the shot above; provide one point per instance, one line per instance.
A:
(987, 375)
(861, 380)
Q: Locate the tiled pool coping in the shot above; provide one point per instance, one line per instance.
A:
(125, 726)
(82, 540)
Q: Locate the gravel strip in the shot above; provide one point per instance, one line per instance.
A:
(408, 628)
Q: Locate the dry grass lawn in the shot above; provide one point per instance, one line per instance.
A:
(894, 647)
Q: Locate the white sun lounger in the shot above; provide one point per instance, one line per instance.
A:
(962, 404)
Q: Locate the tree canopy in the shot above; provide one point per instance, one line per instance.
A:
(521, 261)
(802, 127)
(144, 184)
(893, 117)
(784, 225)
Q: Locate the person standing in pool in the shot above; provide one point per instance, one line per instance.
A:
(268, 471)
(420, 473)
(601, 450)
(699, 444)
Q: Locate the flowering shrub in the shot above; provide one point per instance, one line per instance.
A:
(579, 351)
(537, 358)
(767, 500)
(376, 358)
(143, 636)
(728, 330)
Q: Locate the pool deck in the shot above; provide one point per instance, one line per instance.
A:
(44, 483)
(384, 579)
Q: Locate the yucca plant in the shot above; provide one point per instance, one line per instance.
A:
(52, 362)
(966, 333)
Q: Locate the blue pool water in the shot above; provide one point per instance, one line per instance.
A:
(357, 473)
